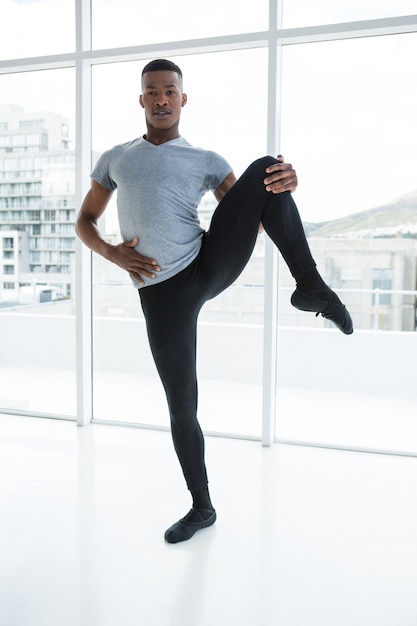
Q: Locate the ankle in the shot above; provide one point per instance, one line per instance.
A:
(310, 281)
(198, 515)
(202, 500)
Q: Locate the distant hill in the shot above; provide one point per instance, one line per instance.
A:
(398, 218)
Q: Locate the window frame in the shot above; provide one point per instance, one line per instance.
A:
(84, 57)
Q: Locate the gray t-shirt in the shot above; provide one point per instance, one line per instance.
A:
(158, 191)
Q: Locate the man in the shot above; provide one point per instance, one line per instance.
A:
(177, 267)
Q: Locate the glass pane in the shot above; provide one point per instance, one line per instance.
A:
(129, 23)
(36, 27)
(230, 376)
(349, 123)
(305, 13)
(37, 187)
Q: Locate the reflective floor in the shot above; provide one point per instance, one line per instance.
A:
(305, 536)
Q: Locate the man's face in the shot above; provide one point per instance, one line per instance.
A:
(162, 99)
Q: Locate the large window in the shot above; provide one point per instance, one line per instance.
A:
(331, 86)
(239, 134)
(37, 324)
(348, 118)
(129, 23)
(303, 13)
(348, 121)
(37, 27)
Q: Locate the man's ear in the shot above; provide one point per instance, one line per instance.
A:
(141, 101)
(184, 99)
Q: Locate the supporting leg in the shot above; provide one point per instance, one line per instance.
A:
(171, 313)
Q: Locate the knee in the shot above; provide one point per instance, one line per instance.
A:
(182, 403)
(265, 161)
(257, 168)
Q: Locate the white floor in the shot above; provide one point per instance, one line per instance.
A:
(305, 536)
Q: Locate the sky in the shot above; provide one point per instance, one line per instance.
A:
(348, 108)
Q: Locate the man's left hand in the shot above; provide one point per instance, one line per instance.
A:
(281, 177)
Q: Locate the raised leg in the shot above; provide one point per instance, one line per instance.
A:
(230, 240)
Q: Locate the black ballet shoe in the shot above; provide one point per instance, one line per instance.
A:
(331, 309)
(185, 529)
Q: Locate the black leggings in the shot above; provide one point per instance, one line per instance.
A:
(171, 308)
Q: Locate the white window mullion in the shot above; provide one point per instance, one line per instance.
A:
(83, 255)
(271, 253)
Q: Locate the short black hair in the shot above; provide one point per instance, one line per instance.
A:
(162, 65)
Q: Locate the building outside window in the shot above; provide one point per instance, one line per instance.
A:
(382, 279)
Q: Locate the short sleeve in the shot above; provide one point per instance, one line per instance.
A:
(101, 172)
(217, 170)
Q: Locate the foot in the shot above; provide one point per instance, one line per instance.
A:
(331, 308)
(186, 527)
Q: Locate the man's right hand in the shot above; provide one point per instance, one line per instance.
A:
(125, 256)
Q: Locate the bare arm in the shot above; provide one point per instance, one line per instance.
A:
(124, 255)
(281, 177)
(92, 208)
(224, 187)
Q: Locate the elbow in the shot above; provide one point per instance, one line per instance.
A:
(77, 225)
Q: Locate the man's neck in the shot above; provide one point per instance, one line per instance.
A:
(157, 138)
